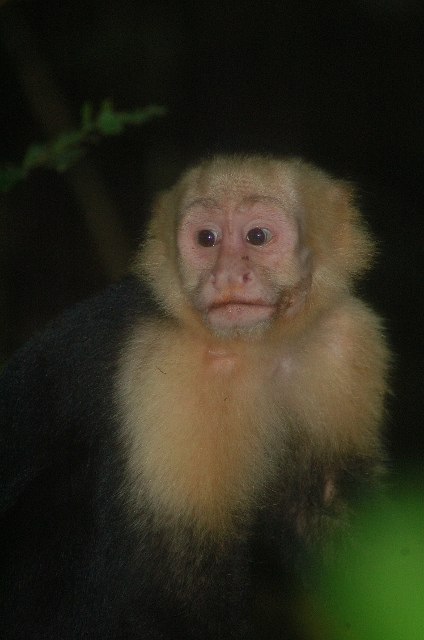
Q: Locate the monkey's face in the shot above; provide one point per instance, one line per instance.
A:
(241, 258)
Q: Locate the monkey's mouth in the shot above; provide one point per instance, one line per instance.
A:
(233, 313)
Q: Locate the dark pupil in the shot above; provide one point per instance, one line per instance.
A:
(206, 238)
(256, 236)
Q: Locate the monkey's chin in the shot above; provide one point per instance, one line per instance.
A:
(238, 317)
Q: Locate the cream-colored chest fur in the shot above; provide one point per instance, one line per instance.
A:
(199, 425)
(206, 422)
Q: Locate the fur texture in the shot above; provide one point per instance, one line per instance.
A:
(145, 454)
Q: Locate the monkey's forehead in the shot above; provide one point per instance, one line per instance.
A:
(241, 179)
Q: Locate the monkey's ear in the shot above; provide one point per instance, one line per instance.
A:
(335, 231)
(354, 246)
(157, 259)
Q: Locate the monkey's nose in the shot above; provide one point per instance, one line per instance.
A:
(231, 276)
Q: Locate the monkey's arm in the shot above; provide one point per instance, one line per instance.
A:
(335, 387)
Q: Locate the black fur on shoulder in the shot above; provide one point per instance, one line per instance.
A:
(66, 551)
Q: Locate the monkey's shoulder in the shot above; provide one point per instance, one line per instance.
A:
(68, 368)
(90, 325)
(345, 323)
(348, 341)
(56, 392)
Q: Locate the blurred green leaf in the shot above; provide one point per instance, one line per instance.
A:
(65, 150)
(9, 176)
(376, 590)
(34, 157)
(108, 121)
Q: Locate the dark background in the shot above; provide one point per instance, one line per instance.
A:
(340, 83)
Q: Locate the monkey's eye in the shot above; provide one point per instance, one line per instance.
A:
(258, 236)
(207, 238)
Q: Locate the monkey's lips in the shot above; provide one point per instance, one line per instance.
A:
(232, 314)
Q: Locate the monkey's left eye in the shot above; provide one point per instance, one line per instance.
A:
(258, 236)
(207, 238)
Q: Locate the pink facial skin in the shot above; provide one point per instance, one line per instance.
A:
(238, 260)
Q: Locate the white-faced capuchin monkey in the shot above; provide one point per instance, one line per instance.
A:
(230, 390)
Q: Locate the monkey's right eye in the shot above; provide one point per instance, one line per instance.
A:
(207, 238)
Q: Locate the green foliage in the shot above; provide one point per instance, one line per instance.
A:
(377, 591)
(70, 146)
